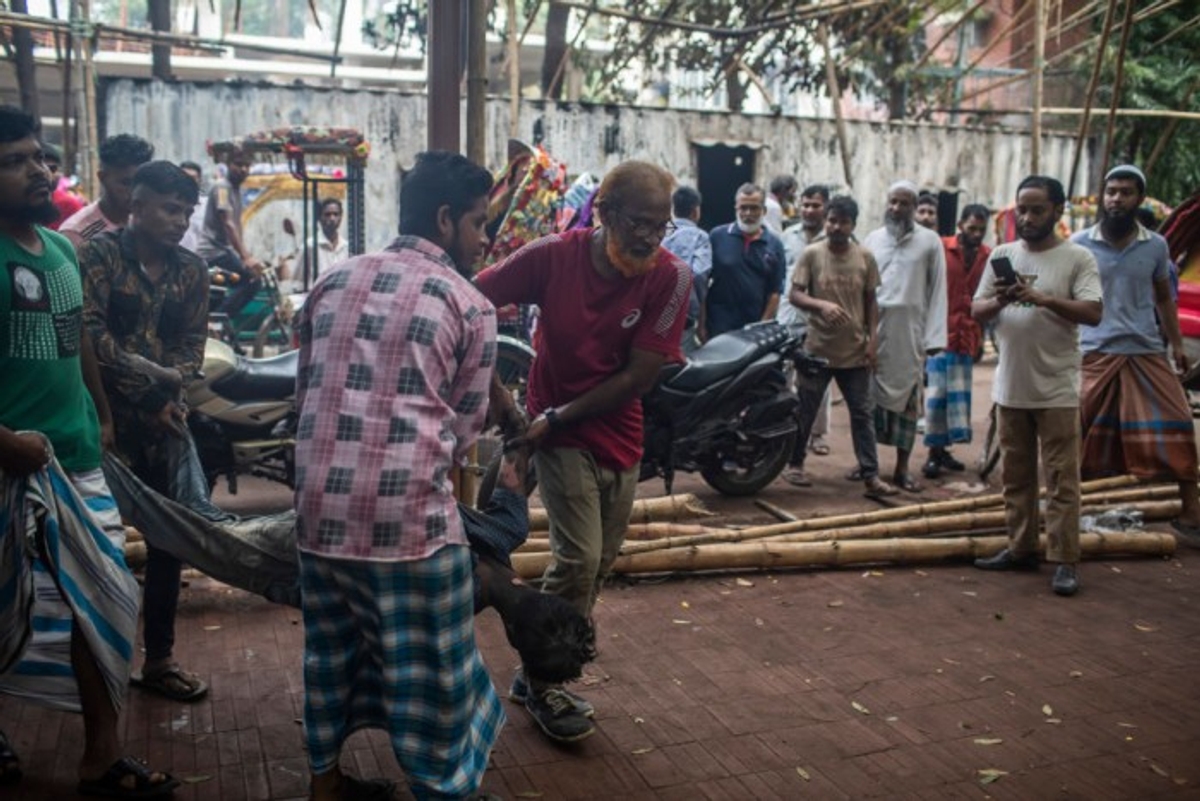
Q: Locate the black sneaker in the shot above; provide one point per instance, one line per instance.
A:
(1007, 560)
(518, 691)
(1066, 580)
(554, 713)
(946, 459)
(932, 468)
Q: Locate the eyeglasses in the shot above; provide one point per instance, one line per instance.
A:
(643, 228)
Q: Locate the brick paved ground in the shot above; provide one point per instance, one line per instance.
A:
(896, 682)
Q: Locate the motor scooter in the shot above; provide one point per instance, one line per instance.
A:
(243, 415)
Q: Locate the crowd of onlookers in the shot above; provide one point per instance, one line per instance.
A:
(103, 326)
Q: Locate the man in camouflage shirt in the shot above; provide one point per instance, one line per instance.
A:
(146, 310)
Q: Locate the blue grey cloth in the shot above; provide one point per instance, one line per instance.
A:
(691, 244)
(1130, 325)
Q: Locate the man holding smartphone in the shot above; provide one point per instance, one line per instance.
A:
(1049, 288)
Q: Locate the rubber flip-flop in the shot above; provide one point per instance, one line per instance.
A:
(170, 682)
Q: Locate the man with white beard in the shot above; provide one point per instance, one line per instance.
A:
(912, 322)
(747, 269)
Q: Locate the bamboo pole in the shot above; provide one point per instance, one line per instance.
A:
(513, 50)
(1039, 75)
(835, 97)
(645, 510)
(881, 516)
(773, 555)
(1109, 15)
(1156, 510)
(1118, 79)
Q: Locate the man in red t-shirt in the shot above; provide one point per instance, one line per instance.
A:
(613, 305)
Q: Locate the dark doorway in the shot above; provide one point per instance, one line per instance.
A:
(720, 170)
(947, 213)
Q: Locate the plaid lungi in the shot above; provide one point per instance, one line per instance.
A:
(1136, 419)
(947, 399)
(391, 645)
(899, 429)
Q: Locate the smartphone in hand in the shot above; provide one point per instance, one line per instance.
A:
(1003, 269)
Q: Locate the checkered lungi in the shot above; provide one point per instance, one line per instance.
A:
(391, 645)
(1136, 419)
(899, 429)
(947, 399)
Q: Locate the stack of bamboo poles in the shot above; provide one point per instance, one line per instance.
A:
(657, 540)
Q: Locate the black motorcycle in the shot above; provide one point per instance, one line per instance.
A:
(728, 413)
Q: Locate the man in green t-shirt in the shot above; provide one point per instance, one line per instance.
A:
(52, 406)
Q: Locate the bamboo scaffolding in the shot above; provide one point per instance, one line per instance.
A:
(1081, 137)
(1118, 80)
(773, 555)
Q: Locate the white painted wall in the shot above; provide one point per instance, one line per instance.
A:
(986, 164)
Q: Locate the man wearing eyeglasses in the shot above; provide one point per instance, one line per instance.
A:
(613, 304)
(748, 269)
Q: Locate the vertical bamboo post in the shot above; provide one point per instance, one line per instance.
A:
(1118, 79)
(477, 81)
(337, 39)
(514, 71)
(1109, 15)
(835, 96)
(1039, 69)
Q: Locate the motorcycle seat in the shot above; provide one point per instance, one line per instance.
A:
(725, 355)
(260, 379)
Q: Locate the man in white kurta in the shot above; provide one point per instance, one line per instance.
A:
(912, 322)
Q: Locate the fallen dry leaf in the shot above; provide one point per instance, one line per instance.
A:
(744, 582)
(679, 622)
(860, 708)
(1160, 771)
(1127, 725)
(988, 677)
(835, 604)
(988, 741)
(639, 720)
(803, 774)
(989, 775)
(685, 604)
(1053, 721)
(950, 661)
(758, 621)
(640, 751)
(1046, 710)
(1076, 674)
(920, 572)
(971, 593)
(1145, 627)
(203, 777)
(212, 628)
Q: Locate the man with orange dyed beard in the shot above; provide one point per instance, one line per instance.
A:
(613, 304)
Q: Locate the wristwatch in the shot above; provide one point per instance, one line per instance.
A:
(551, 415)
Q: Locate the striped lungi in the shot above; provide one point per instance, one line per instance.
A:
(64, 552)
(899, 429)
(947, 399)
(391, 645)
(1136, 418)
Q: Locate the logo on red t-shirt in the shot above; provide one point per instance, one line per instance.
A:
(631, 319)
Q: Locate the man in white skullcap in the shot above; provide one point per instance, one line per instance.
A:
(912, 321)
(1136, 417)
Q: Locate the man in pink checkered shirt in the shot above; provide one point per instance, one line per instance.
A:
(396, 356)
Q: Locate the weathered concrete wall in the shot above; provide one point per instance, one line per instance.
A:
(985, 164)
